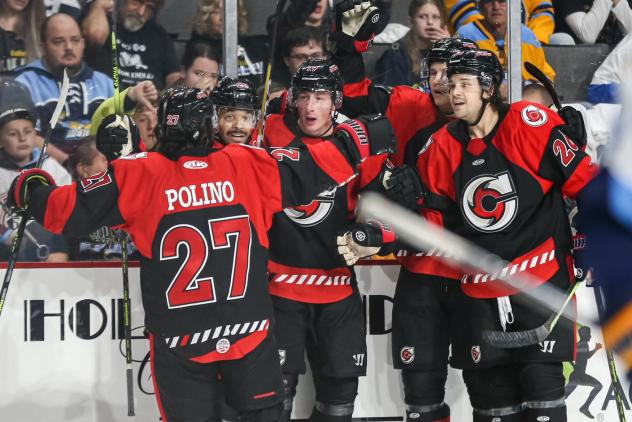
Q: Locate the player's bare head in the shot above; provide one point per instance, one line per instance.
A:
(537, 93)
(315, 93)
(236, 110)
(185, 121)
(474, 81)
(434, 68)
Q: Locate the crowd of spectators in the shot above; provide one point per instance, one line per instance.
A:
(39, 38)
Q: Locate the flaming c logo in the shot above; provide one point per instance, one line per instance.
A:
(314, 212)
(490, 202)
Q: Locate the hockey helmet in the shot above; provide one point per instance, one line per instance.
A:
(442, 51)
(483, 64)
(317, 75)
(184, 120)
(235, 93)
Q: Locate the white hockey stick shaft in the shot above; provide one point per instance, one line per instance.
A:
(421, 234)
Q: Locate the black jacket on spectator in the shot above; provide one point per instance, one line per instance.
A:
(12, 52)
(394, 67)
(611, 33)
(147, 54)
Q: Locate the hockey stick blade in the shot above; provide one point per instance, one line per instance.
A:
(61, 102)
(542, 78)
(421, 234)
(514, 339)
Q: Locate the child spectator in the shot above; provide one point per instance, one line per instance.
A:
(402, 64)
(298, 46)
(200, 67)
(20, 23)
(18, 152)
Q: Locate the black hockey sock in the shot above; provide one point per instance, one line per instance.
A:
(514, 417)
(554, 414)
(318, 416)
(437, 413)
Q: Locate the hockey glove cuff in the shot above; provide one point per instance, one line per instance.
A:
(367, 135)
(118, 136)
(23, 185)
(360, 241)
(404, 186)
(574, 127)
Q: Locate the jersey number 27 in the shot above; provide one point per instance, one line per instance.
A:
(187, 288)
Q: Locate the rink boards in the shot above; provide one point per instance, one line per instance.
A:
(61, 357)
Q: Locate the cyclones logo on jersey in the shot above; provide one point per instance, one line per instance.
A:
(533, 116)
(314, 212)
(490, 202)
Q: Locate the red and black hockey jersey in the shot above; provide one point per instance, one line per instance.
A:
(200, 224)
(414, 118)
(509, 189)
(304, 262)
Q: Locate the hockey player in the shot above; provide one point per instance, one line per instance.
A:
(423, 302)
(199, 217)
(317, 305)
(236, 111)
(506, 168)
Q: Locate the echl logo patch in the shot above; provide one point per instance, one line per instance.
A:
(490, 202)
(407, 354)
(96, 181)
(222, 345)
(314, 212)
(533, 116)
(476, 354)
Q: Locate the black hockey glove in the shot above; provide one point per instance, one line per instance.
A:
(365, 136)
(25, 182)
(404, 186)
(574, 127)
(118, 136)
(361, 241)
(356, 24)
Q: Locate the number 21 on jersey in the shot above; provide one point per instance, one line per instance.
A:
(187, 287)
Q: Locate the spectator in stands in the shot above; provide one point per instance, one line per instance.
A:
(617, 67)
(252, 50)
(317, 14)
(200, 67)
(538, 15)
(18, 151)
(299, 45)
(402, 64)
(20, 22)
(63, 47)
(145, 50)
(591, 21)
(491, 32)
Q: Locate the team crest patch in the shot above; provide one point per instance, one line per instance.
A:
(407, 354)
(222, 345)
(476, 354)
(282, 355)
(534, 116)
(96, 181)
